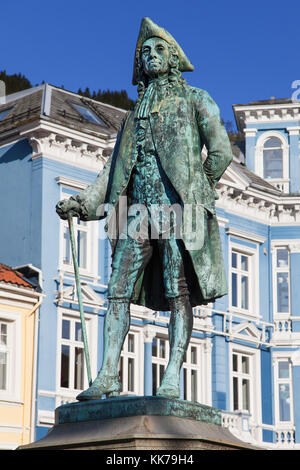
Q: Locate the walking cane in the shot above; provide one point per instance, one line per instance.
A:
(78, 286)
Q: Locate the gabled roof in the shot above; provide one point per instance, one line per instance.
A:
(56, 105)
(240, 177)
(12, 276)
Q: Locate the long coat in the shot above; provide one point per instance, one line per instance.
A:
(182, 122)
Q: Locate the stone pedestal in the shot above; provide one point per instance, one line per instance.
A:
(138, 423)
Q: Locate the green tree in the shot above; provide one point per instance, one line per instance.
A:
(15, 82)
(119, 99)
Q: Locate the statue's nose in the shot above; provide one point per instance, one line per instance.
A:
(153, 53)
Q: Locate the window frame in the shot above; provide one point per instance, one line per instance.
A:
(6, 110)
(91, 321)
(277, 245)
(97, 120)
(254, 377)
(283, 182)
(138, 357)
(159, 362)
(253, 279)
(12, 392)
(92, 230)
(277, 358)
(198, 368)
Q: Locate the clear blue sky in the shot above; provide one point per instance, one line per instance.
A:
(242, 51)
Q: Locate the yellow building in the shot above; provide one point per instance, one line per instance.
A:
(19, 302)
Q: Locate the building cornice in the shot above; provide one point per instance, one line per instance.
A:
(266, 113)
(258, 205)
(60, 143)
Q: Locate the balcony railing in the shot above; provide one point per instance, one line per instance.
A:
(242, 426)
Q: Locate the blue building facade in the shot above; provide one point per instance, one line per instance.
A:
(244, 354)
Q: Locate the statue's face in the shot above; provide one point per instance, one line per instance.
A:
(155, 57)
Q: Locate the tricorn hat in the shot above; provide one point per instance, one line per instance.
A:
(148, 30)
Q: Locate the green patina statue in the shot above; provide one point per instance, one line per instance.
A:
(166, 260)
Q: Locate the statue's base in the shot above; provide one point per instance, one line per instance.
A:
(138, 423)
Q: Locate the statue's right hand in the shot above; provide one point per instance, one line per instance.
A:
(68, 208)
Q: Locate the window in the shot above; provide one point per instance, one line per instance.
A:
(72, 375)
(4, 355)
(283, 390)
(241, 381)
(191, 373)
(240, 279)
(273, 158)
(81, 240)
(4, 112)
(88, 114)
(160, 357)
(10, 355)
(86, 238)
(128, 368)
(281, 274)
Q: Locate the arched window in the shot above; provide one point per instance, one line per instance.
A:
(273, 158)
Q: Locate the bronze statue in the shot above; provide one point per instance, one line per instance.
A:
(156, 165)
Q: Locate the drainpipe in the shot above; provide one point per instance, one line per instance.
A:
(36, 313)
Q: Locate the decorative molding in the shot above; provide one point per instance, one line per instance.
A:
(246, 330)
(258, 205)
(295, 358)
(89, 297)
(149, 332)
(266, 113)
(294, 247)
(252, 237)
(74, 184)
(293, 130)
(250, 132)
(67, 150)
(293, 244)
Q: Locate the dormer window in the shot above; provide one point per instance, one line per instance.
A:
(88, 114)
(272, 159)
(4, 112)
(272, 156)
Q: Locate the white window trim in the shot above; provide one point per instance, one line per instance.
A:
(91, 272)
(277, 244)
(259, 148)
(255, 380)
(203, 368)
(160, 361)
(138, 356)
(15, 365)
(253, 254)
(277, 357)
(92, 339)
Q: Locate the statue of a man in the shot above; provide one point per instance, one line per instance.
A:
(157, 163)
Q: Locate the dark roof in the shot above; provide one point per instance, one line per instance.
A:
(254, 180)
(63, 111)
(29, 105)
(267, 102)
(25, 108)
